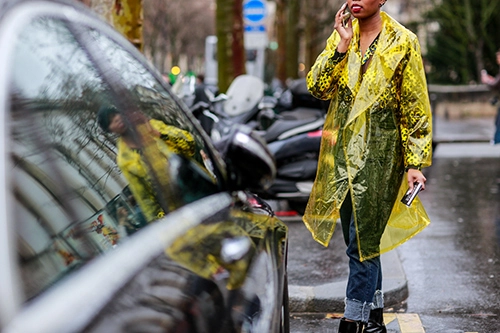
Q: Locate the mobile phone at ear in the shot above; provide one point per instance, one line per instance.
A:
(346, 15)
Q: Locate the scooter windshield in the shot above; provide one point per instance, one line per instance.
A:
(244, 93)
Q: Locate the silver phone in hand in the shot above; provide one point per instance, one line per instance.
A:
(411, 194)
(346, 15)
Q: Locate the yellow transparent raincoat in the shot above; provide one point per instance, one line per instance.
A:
(134, 165)
(378, 124)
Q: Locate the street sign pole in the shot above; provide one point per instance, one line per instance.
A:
(254, 17)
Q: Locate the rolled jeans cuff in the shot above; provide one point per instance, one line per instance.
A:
(378, 300)
(357, 310)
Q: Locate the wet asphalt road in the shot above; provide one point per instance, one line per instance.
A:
(452, 267)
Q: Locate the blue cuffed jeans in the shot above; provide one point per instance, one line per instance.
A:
(364, 284)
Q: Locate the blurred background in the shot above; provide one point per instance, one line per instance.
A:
(279, 40)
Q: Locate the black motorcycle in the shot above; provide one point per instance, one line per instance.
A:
(293, 136)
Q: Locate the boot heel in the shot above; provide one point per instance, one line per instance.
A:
(350, 326)
(376, 322)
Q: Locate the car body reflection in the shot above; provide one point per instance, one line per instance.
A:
(81, 252)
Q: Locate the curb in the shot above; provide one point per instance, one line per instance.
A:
(329, 297)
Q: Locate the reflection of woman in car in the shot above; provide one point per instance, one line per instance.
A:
(144, 138)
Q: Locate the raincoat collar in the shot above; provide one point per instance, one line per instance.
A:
(383, 64)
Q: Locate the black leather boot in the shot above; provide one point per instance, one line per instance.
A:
(376, 322)
(350, 326)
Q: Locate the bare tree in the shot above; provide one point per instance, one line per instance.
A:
(175, 32)
(176, 29)
(302, 28)
(319, 18)
(238, 46)
(230, 47)
(224, 37)
(293, 30)
(280, 22)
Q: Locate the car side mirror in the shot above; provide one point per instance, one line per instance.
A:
(250, 163)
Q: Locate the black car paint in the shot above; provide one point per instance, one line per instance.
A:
(207, 304)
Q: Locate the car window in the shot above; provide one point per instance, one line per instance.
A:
(196, 176)
(72, 200)
(62, 178)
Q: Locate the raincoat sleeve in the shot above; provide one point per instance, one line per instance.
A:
(178, 140)
(416, 116)
(322, 79)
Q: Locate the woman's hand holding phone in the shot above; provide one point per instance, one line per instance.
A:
(343, 25)
(346, 15)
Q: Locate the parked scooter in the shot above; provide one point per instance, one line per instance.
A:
(245, 103)
(297, 160)
(293, 136)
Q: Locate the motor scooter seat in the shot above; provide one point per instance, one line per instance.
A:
(296, 126)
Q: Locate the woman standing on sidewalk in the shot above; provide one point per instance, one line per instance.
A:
(376, 138)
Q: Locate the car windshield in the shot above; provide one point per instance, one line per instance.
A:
(79, 188)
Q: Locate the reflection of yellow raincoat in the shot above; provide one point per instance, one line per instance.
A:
(136, 170)
(199, 249)
(378, 124)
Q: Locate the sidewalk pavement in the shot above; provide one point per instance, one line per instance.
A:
(314, 286)
(463, 130)
(328, 296)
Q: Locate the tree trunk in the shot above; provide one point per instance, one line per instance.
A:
(230, 41)
(292, 39)
(238, 45)
(281, 39)
(310, 33)
(224, 24)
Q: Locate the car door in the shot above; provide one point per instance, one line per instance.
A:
(67, 202)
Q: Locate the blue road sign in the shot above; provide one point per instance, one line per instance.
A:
(254, 11)
(255, 28)
(254, 15)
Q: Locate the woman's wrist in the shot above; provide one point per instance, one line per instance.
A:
(415, 167)
(343, 46)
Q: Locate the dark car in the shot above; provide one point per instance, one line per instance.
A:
(156, 231)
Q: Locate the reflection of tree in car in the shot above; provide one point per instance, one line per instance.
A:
(143, 149)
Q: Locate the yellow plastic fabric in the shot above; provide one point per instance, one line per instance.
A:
(378, 123)
(199, 249)
(136, 169)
